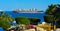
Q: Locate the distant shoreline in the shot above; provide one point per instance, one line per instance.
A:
(29, 12)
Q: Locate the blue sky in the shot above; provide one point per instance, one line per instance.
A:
(9, 5)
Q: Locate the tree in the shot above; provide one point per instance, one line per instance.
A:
(58, 23)
(49, 18)
(22, 20)
(53, 9)
(3, 23)
(4, 20)
(34, 21)
(10, 18)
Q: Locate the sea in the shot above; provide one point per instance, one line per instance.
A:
(29, 15)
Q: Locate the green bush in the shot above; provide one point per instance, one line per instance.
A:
(22, 20)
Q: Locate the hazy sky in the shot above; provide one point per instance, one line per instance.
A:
(26, 4)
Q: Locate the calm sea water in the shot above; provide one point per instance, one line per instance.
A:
(31, 15)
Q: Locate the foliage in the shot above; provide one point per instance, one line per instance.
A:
(49, 18)
(58, 23)
(34, 21)
(22, 20)
(4, 20)
(51, 9)
(4, 24)
(55, 11)
(10, 18)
